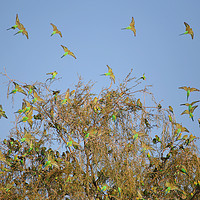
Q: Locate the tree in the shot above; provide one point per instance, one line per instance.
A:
(79, 145)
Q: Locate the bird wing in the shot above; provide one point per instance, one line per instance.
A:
(132, 22)
(134, 30)
(185, 112)
(194, 102)
(109, 69)
(192, 35)
(194, 89)
(54, 27)
(72, 54)
(184, 88)
(186, 25)
(65, 48)
(25, 33)
(60, 33)
(67, 94)
(193, 108)
(17, 20)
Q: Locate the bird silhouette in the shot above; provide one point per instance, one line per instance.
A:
(188, 30)
(55, 30)
(67, 52)
(131, 27)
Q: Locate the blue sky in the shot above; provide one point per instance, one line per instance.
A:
(92, 30)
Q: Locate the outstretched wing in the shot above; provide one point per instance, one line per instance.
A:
(54, 27)
(65, 48)
(132, 22)
(186, 25)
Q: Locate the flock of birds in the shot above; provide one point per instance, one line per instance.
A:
(131, 27)
(23, 30)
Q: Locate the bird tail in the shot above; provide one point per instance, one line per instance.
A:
(16, 33)
(123, 28)
(62, 56)
(102, 74)
(52, 34)
(9, 28)
(182, 34)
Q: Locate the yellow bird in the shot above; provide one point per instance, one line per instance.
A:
(67, 52)
(55, 30)
(131, 27)
(22, 30)
(109, 73)
(188, 30)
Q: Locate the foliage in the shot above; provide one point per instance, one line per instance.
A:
(113, 145)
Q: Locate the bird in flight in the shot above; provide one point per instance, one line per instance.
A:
(188, 30)
(109, 73)
(22, 30)
(17, 23)
(17, 89)
(53, 75)
(188, 90)
(55, 30)
(67, 52)
(131, 27)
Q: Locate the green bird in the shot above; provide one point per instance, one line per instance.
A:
(171, 109)
(36, 97)
(17, 23)
(17, 89)
(92, 132)
(183, 170)
(2, 113)
(137, 134)
(170, 187)
(143, 77)
(190, 112)
(67, 52)
(114, 118)
(119, 190)
(30, 88)
(28, 118)
(189, 104)
(69, 144)
(180, 128)
(51, 161)
(66, 99)
(55, 30)
(146, 147)
(55, 93)
(24, 119)
(188, 90)
(53, 75)
(104, 188)
(22, 30)
(20, 111)
(139, 103)
(159, 106)
(131, 27)
(27, 137)
(188, 30)
(109, 73)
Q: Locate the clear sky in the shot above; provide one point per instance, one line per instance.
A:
(92, 30)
